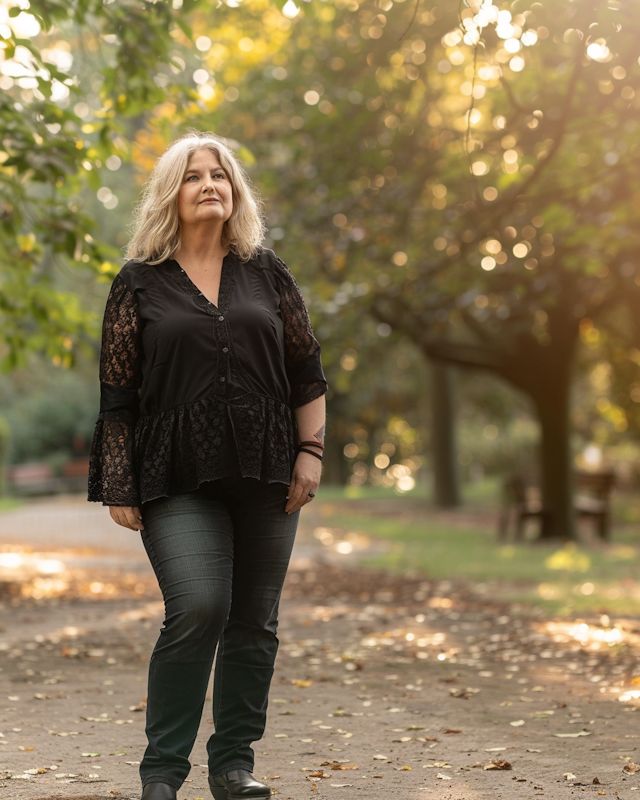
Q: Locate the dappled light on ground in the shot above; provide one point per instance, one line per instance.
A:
(69, 573)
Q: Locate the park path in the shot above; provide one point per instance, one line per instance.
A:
(386, 686)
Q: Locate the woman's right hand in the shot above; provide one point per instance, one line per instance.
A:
(127, 516)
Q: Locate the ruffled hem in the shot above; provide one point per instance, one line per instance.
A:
(179, 449)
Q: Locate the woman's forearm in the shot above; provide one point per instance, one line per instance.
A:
(310, 419)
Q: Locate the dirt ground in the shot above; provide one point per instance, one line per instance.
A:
(385, 686)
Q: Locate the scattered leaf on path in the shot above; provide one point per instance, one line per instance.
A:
(500, 764)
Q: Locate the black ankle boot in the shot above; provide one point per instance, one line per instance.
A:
(159, 791)
(239, 784)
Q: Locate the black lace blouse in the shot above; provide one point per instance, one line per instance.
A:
(190, 391)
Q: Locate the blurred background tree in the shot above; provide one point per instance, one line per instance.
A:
(480, 169)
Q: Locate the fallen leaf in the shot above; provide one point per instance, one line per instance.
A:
(339, 766)
(572, 735)
(443, 777)
(494, 749)
(90, 755)
(380, 757)
(341, 785)
(451, 730)
(569, 776)
(631, 768)
(302, 684)
(517, 723)
(466, 694)
(500, 764)
(596, 780)
(401, 768)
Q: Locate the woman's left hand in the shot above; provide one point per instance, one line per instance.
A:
(305, 478)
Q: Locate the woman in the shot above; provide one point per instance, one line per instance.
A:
(209, 441)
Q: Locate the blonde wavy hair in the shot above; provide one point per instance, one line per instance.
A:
(156, 226)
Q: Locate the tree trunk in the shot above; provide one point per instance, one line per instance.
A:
(443, 439)
(556, 461)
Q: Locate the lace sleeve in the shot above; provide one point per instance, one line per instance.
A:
(112, 476)
(302, 351)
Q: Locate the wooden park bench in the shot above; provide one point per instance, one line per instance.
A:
(38, 478)
(521, 501)
(32, 478)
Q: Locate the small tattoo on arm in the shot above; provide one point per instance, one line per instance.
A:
(319, 435)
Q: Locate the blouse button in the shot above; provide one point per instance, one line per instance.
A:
(223, 379)
(221, 318)
(225, 349)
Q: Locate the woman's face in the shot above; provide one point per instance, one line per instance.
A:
(205, 193)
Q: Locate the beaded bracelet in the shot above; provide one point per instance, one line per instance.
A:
(311, 453)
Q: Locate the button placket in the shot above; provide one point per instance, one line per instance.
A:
(223, 339)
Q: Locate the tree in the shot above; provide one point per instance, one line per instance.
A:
(482, 173)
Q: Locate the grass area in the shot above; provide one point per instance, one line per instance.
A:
(8, 503)
(483, 494)
(569, 579)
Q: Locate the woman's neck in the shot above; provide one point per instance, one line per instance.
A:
(202, 245)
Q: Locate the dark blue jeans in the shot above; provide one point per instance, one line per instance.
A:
(220, 555)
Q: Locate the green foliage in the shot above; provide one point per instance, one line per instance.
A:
(50, 412)
(5, 434)
(65, 97)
